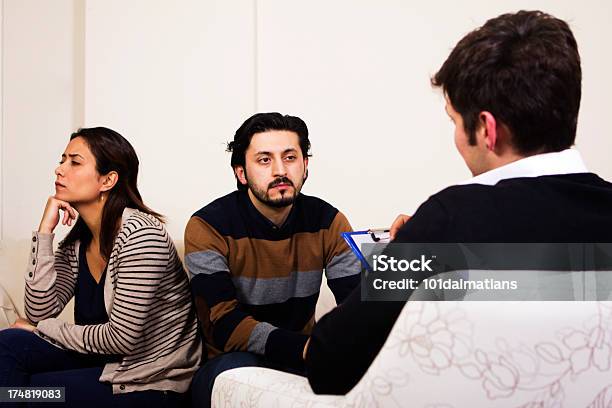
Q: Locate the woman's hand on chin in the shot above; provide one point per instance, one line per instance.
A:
(51, 216)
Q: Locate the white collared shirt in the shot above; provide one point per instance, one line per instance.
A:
(568, 161)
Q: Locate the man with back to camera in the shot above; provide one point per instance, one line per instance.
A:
(256, 255)
(512, 89)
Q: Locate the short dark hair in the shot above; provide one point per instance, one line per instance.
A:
(524, 68)
(263, 122)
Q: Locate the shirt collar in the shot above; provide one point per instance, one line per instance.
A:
(568, 161)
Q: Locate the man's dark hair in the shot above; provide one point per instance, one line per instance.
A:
(524, 69)
(263, 122)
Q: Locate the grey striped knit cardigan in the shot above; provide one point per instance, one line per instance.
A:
(152, 322)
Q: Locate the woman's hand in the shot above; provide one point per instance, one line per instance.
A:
(51, 215)
(23, 324)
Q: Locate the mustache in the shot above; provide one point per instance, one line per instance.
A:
(280, 180)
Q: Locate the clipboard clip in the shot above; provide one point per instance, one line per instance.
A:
(375, 234)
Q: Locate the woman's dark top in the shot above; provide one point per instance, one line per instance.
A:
(89, 306)
(88, 295)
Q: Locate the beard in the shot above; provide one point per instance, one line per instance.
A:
(286, 198)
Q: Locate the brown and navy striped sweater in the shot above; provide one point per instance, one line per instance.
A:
(152, 322)
(256, 285)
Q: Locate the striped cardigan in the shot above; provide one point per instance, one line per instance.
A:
(152, 321)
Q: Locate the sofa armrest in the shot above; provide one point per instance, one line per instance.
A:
(8, 311)
(264, 387)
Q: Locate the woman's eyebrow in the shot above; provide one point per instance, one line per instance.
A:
(71, 155)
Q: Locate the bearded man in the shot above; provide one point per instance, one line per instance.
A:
(257, 255)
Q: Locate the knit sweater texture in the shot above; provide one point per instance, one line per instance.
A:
(256, 284)
(152, 321)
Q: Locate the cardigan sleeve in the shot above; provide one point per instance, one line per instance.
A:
(49, 278)
(138, 270)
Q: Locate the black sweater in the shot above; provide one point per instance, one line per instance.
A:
(561, 208)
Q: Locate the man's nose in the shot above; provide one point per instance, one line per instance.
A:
(278, 168)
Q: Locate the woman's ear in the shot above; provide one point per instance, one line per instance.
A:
(109, 181)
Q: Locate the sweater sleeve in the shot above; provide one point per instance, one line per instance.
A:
(49, 279)
(345, 341)
(342, 267)
(226, 326)
(138, 274)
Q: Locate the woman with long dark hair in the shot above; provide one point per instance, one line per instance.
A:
(135, 339)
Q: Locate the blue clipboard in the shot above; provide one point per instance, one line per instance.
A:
(354, 240)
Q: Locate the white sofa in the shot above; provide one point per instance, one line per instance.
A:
(468, 354)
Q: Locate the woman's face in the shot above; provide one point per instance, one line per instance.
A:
(77, 180)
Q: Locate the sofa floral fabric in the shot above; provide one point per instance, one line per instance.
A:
(451, 355)
(262, 387)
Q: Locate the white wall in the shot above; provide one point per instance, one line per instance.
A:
(38, 94)
(178, 77)
(356, 71)
(177, 81)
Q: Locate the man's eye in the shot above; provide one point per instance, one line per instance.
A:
(75, 163)
(290, 158)
(264, 160)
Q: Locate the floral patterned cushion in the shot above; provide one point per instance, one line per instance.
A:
(460, 354)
